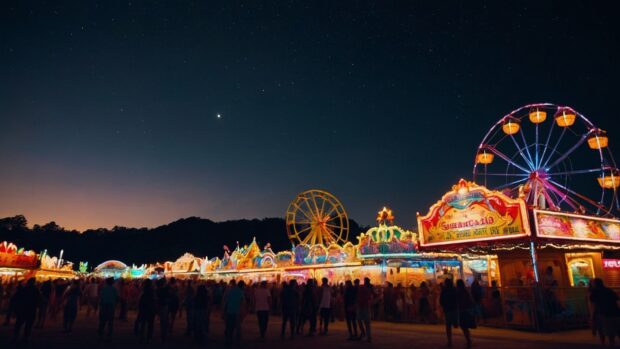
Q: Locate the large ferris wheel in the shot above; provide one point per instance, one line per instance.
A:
(552, 156)
(317, 217)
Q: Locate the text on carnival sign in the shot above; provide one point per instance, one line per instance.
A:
(611, 263)
(470, 212)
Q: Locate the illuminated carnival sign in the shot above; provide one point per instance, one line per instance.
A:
(470, 212)
(560, 225)
(611, 263)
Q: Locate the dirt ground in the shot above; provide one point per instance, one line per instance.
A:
(385, 335)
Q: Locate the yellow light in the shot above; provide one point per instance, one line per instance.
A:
(598, 140)
(565, 117)
(609, 180)
(511, 125)
(484, 158)
(537, 116)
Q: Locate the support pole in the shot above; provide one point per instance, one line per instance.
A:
(534, 261)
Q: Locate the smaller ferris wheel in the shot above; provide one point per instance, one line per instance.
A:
(552, 156)
(317, 217)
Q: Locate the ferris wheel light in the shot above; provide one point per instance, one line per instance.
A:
(537, 116)
(565, 117)
(610, 179)
(598, 139)
(484, 158)
(511, 125)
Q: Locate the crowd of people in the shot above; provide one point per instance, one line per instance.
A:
(306, 308)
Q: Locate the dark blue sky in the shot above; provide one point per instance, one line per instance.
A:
(108, 108)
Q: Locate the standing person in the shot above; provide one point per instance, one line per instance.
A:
(26, 303)
(173, 302)
(233, 304)
(107, 304)
(71, 299)
(350, 305)
(262, 306)
(325, 306)
(447, 300)
(188, 304)
(123, 292)
(309, 306)
(12, 296)
(465, 305)
(365, 295)
(424, 304)
(163, 300)
(477, 294)
(146, 312)
(91, 292)
(201, 313)
(606, 311)
(290, 306)
(46, 293)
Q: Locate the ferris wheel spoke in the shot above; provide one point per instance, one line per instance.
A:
(580, 196)
(303, 230)
(555, 147)
(527, 150)
(546, 145)
(303, 211)
(316, 207)
(505, 174)
(334, 217)
(511, 183)
(520, 150)
(332, 226)
(575, 172)
(322, 206)
(311, 209)
(567, 153)
(307, 238)
(564, 197)
(553, 203)
(335, 236)
(334, 207)
(507, 159)
(331, 234)
(536, 144)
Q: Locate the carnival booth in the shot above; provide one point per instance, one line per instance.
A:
(54, 268)
(186, 266)
(16, 262)
(390, 253)
(112, 268)
(542, 224)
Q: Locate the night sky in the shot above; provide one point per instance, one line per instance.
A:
(108, 109)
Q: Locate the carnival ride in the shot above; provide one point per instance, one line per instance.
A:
(317, 217)
(543, 152)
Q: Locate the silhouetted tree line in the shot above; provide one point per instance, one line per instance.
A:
(199, 236)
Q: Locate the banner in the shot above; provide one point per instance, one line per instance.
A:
(560, 225)
(11, 260)
(470, 212)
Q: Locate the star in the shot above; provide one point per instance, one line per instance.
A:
(219, 116)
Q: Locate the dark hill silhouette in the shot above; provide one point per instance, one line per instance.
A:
(199, 236)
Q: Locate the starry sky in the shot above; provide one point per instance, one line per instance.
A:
(108, 109)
